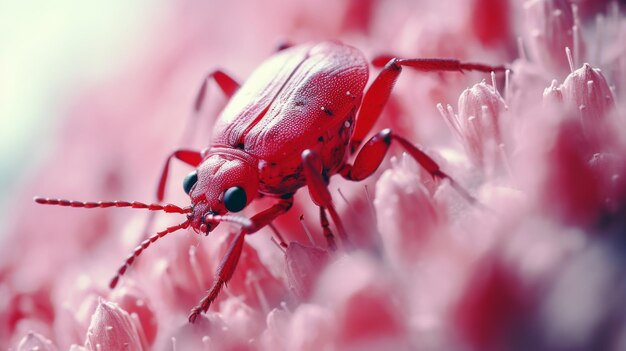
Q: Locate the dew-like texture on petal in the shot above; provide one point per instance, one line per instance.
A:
(133, 301)
(112, 328)
(73, 320)
(587, 90)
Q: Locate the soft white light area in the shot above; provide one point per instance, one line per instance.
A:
(48, 50)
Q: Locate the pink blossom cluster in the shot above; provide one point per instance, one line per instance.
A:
(537, 263)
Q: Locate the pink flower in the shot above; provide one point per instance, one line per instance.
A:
(112, 328)
(587, 91)
(551, 26)
(527, 260)
(477, 124)
(584, 144)
(131, 300)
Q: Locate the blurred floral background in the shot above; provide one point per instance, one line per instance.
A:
(94, 96)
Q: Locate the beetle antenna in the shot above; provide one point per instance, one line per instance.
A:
(141, 247)
(169, 208)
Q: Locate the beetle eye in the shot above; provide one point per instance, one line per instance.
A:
(190, 181)
(235, 199)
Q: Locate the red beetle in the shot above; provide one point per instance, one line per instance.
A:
(295, 122)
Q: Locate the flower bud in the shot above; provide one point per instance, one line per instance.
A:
(112, 328)
(477, 123)
(587, 91)
(550, 28)
(134, 301)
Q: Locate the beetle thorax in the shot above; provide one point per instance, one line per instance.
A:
(220, 171)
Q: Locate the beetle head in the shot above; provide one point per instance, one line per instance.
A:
(222, 183)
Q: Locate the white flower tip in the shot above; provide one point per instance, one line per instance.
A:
(112, 328)
(570, 58)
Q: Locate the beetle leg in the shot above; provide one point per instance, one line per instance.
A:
(224, 273)
(227, 84)
(227, 266)
(373, 152)
(378, 93)
(190, 157)
(318, 189)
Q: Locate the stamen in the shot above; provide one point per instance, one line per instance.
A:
(450, 119)
(507, 86)
(306, 230)
(370, 201)
(570, 60)
(278, 245)
(278, 237)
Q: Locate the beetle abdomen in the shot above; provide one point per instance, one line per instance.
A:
(291, 99)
